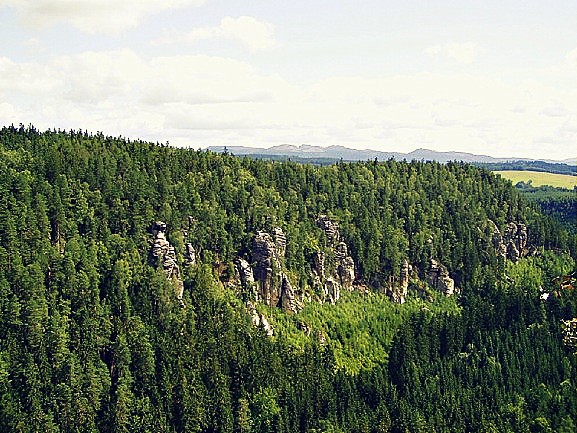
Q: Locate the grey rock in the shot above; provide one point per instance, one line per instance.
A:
(569, 328)
(438, 277)
(287, 299)
(346, 273)
(319, 264)
(245, 272)
(165, 255)
(259, 320)
(397, 288)
(332, 290)
(274, 287)
(279, 242)
(330, 228)
(513, 253)
(190, 255)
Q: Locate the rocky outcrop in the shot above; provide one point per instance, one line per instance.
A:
(259, 320)
(330, 228)
(190, 255)
(287, 301)
(512, 244)
(497, 239)
(265, 258)
(245, 272)
(345, 266)
(334, 271)
(273, 286)
(569, 328)
(438, 277)
(164, 255)
(516, 237)
(397, 288)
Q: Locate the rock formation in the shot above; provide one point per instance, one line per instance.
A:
(570, 333)
(398, 288)
(438, 277)
(513, 243)
(330, 228)
(497, 239)
(273, 285)
(336, 270)
(259, 320)
(164, 254)
(190, 255)
(245, 272)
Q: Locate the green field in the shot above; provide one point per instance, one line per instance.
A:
(540, 178)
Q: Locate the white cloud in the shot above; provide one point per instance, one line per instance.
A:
(571, 58)
(207, 100)
(253, 34)
(465, 53)
(93, 16)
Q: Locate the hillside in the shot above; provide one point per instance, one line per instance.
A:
(149, 288)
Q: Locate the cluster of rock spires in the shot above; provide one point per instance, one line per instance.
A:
(268, 283)
(334, 270)
(398, 288)
(265, 278)
(512, 243)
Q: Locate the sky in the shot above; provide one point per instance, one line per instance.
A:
(496, 78)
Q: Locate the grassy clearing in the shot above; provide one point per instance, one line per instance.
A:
(540, 178)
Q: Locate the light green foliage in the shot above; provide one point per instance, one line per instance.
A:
(359, 328)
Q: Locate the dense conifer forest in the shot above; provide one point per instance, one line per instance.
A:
(95, 338)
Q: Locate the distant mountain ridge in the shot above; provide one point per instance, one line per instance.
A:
(348, 154)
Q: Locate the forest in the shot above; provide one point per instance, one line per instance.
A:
(97, 334)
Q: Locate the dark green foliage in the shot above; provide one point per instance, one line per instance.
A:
(559, 203)
(93, 339)
(547, 167)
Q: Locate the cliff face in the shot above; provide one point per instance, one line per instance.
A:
(398, 288)
(334, 270)
(438, 277)
(265, 279)
(268, 282)
(512, 244)
(164, 255)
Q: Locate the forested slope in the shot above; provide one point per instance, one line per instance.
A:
(95, 337)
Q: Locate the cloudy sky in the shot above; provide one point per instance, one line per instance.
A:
(490, 77)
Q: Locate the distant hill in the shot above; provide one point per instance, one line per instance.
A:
(347, 154)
